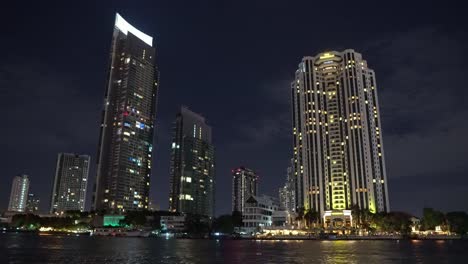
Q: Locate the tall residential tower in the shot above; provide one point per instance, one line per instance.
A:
(128, 117)
(70, 183)
(192, 166)
(19, 193)
(338, 149)
(244, 185)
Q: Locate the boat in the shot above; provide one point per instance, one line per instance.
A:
(120, 232)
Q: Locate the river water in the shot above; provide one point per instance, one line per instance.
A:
(31, 248)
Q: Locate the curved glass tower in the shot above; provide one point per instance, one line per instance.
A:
(126, 138)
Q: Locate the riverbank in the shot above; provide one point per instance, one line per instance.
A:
(259, 238)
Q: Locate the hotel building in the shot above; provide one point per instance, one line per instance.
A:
(337, 137)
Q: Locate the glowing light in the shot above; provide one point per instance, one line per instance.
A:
(125, 27)
(327, 56)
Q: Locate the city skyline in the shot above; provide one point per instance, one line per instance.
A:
(240, 86)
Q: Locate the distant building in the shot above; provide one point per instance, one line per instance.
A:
(32, 205)
(173, 223)
(287, 193)
(19, 193)
(244, 185)
(128, 118)
(70, 183)
(283, 218)
(192, 166)
(258, 212)
(337, 137)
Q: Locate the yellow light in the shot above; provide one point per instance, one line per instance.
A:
(327, 56)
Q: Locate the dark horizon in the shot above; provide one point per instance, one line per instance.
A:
(233, 63)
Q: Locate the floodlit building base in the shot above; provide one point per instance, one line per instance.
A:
(337, 219)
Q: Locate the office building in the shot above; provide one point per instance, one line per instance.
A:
(192, 166)
(338, 149)
(19, 193)
(128, 119)
(244, 185)
(70, 183)
(287, 193)
(32, 205)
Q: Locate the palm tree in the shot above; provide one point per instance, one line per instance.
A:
(356, 213)
(300, 216)
(311, 217)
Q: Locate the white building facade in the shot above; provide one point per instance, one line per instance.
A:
(337, 137)
(19, 193)
(258, 213)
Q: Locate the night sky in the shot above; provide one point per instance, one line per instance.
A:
(232, 62)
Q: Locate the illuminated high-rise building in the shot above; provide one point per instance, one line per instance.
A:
(192, 166)
(287, 193)
(19, 193)
(244, 185)
(338, 149)
(70, 183)
(32, 205)
(128, 118)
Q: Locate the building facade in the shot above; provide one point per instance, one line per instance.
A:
(287, 193)
(19, 193)
(192, 166)
(32, 205)
(258, 213)
(337, 137)
(173, 223)
(128, 118)
(70, 183)
(244, 185)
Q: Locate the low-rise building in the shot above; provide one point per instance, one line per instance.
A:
(258, 213)
(173, 223)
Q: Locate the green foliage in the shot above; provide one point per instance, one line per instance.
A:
(224, 224)
(237, 218)
(311, 217)
(392, 222)
(26, 221)
(431, 219)
(458, 222)
(196, 224)
(135, 218)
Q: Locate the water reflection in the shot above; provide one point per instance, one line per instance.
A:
(22, 248)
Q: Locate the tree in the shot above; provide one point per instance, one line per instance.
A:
(26, 221)
(356, 214)
(237, 219)
(458, 222)
(224, 224)
(195, 225)
(311, 217)
(300, 216)
(432, 218)
(135, 218)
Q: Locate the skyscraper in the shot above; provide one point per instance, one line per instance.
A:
(19, 193)
(287, 193)
(32, 205)
(192, 165)
(338, 149)
(244, 185)
(126, 138)
(70, 183)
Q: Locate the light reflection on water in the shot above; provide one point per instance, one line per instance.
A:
(29, 248)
